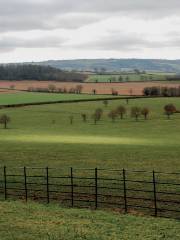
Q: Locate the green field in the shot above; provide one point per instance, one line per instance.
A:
(34, 221)
(42, 135)
(126, 77)
(25, 97)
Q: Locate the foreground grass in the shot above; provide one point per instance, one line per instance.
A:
(25, 97)
(34, 221)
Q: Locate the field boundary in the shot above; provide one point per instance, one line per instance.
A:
(71, 101)
(128, 191)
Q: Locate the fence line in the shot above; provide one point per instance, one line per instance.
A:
(146, 192)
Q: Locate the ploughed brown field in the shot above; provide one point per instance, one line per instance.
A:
(7, 91)
(128, 88)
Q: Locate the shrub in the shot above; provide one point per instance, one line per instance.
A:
(105, 102)
(84, 117)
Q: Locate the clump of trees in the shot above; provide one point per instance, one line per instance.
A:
(135, 111)
(162, 91)
(4, 119)
(38, 72)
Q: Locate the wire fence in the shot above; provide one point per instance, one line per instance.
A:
(145, 192)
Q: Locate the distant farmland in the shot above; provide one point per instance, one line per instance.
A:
(127, 88)
(129, 77)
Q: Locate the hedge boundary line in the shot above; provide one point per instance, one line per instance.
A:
(76, 101)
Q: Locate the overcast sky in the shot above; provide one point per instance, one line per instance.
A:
(34, 30)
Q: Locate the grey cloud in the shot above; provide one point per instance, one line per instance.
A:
(116, 42)
(66, 21)
(128, 42)
(30, 14)
(8, 44)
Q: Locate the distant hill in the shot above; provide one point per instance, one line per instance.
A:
(116, 64)
(37, 72)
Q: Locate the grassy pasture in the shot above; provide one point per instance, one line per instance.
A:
(25, 97)
(35, 221)
(126, 77)
(42, 135)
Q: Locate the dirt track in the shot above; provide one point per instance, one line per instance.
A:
(101, 88)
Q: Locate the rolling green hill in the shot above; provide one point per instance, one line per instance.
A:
(43, 136)
(156, 65)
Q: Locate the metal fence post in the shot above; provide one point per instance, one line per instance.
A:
(72, 188)
(47, 184)
(125, 191)
(155, 196)
(25, 184)
(5, 184)
(96, 189)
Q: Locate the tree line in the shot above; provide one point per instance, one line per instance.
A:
(162, 91)
(119, 112)
(20, 72)
(51, 88)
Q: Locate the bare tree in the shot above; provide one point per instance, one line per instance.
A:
(94, 91)
(113, 115)
(97, 115)
(170, 109)
(145, 112)
(121, 110)
(136, 112)
(4, 119)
